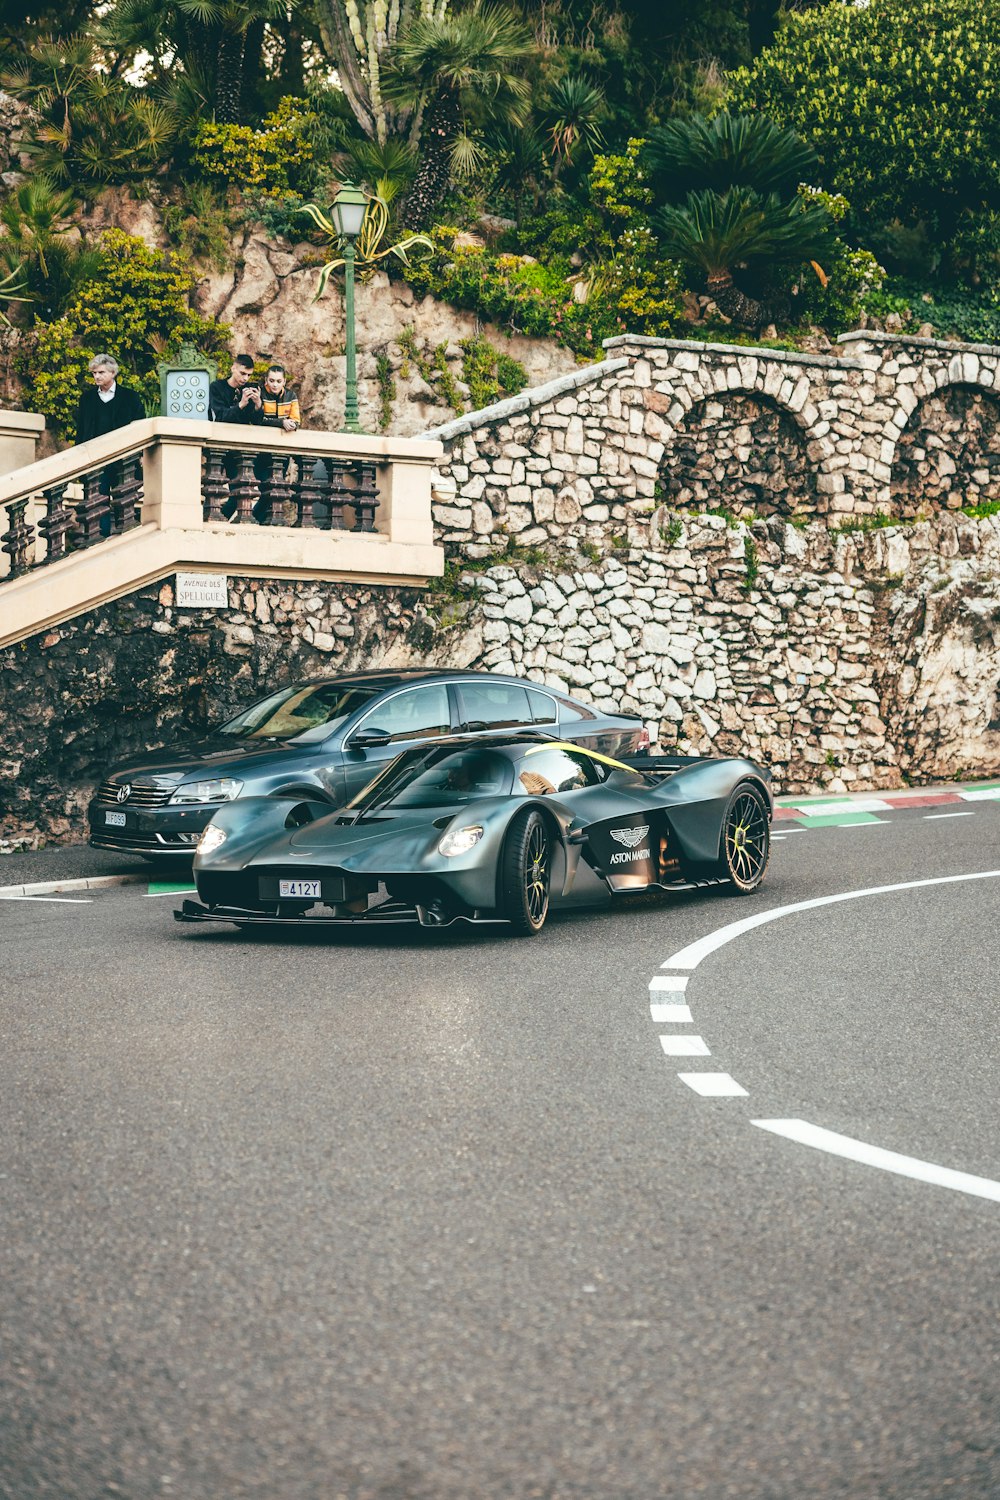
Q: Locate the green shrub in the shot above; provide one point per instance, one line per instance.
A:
(276, 159)
(899, 98)
(488, 373)
(136, 309)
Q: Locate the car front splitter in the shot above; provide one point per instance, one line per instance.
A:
(390, 913)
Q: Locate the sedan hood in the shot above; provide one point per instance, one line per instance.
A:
(209, 758)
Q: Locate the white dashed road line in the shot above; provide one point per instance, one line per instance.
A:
(929, 816)
(724, 1086)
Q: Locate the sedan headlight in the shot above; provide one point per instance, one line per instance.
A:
(212, 838)
(223, 789)
(461, 840)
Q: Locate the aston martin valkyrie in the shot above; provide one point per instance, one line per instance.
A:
(505, 830)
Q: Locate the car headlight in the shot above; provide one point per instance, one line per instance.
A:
(461, 840)
(212, 838)
(223, 789)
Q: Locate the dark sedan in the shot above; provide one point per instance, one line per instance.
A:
(324, 740)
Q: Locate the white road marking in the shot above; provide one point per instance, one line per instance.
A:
(188, 890)
(987, 794)
(678, 982)
(875, 1156)
(878, 823)
(713, 1085)
(666, 1014)
(691, 956)
(969, 814)
(685, 1046)
(840, 805)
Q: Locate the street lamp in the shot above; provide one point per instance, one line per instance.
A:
(348, 212)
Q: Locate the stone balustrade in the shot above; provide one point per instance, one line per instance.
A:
(98, 520)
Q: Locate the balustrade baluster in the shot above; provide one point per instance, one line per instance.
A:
(126, 496)
(311, 490)
(340, 493)
(245, 490)
(19, 539)
(365, 499)
(214, 485)
(56, 523)
(90, 511)
(280, 490)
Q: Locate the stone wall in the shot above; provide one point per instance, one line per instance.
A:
(901, 426)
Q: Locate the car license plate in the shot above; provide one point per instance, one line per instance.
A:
(114, 820)
(299, 888)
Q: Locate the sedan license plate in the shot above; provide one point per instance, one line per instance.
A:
(299, 889)
(114, 820)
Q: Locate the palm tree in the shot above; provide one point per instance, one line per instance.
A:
(209, 38)
(458, 75)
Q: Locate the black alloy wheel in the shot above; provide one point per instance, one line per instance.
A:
(746, 840)
(525, 870)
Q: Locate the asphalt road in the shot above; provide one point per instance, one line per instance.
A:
(433, 1217)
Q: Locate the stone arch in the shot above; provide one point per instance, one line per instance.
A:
(742, 450)
(948, 453)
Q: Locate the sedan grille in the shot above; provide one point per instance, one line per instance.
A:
(143, 793)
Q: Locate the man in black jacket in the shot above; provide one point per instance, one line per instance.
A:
(233, 399)
(107, 405)
(104, 408)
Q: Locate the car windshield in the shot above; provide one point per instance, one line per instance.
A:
(306, 711)
(437, 778)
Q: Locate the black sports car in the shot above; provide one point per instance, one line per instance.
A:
(323, 741)
(504, 830)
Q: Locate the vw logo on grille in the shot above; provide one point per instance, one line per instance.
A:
(124, 792)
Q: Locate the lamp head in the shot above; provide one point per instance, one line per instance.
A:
(348, 211)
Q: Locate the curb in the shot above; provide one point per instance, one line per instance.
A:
(50, 887)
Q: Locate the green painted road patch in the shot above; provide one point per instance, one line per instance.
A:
(169, 887)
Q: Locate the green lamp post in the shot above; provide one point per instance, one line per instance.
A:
(348, 212)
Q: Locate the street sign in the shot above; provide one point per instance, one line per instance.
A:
(202, 591)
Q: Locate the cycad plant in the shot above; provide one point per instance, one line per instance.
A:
(733, 209)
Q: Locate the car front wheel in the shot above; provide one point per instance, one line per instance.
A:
(746, 840)
(525, 873)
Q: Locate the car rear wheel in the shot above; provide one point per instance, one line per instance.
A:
(746, 840)
(524, 874)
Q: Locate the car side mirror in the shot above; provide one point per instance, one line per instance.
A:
(368, 739)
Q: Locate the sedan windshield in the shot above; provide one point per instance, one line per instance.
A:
(306, 711)
(437, 778)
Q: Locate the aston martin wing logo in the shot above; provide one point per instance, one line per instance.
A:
(630, 838)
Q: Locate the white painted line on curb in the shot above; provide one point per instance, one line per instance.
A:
(989, 794)
(887, 1161)
(685, 1046)
(878, 823)
(713, 1085)
(840, 805)
(968, 814)
(88, 883)
(671, 1014)
(60, 900)
(691, 956)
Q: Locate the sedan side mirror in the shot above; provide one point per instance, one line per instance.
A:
(368, 739)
